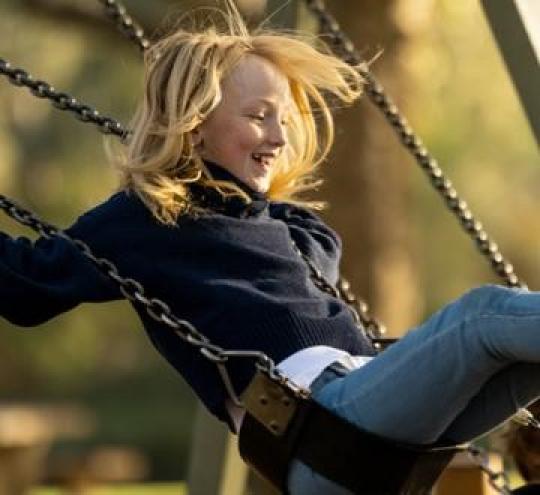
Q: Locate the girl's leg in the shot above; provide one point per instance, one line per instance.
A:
(511, 389)
(478, 416)
(303, 481)
(457, 376)
(416, 389)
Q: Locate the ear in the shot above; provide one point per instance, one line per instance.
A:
(196, 137)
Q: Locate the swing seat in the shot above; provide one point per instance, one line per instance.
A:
(279, 427)
(532, 489)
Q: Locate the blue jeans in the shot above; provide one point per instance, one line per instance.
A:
(459, 375)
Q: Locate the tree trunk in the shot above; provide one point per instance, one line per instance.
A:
(367, 177)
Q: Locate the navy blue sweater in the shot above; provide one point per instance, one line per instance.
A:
(232, 273)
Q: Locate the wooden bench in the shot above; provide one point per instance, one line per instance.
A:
(26, 433)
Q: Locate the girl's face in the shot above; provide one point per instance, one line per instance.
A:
(246, 132)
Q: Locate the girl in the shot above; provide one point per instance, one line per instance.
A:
(231, 128)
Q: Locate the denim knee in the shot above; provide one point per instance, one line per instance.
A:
(488, 299)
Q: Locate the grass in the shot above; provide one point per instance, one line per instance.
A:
(120, 489)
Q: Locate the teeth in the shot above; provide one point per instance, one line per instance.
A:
(260, 156)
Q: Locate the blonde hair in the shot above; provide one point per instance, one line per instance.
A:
(183, 72)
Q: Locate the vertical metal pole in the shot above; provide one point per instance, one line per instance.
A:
(215, 465)
(516, 27)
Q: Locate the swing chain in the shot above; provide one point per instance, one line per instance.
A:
(497, 479)
(26, 218)
(412, 142)
(372, 328)
(524, 417)
(62, 101)
(66, 102)
(125, 23)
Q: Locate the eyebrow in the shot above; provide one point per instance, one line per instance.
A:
(267, 102)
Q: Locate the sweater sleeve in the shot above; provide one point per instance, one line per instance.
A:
(41, 279)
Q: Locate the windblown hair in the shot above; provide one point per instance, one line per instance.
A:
(183, 72)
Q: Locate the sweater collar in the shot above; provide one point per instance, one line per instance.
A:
(219, 173)
(208, 197)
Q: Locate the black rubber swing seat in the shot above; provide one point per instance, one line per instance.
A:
(360, 461)
(533, 489)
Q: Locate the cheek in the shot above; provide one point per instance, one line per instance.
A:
(241, 138)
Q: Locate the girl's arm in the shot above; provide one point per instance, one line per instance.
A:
(42, 279)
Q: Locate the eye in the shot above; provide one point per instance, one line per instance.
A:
(257, 117)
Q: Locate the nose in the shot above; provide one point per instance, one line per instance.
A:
(277, 135)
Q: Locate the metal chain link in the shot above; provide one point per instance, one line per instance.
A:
(524, 417)
(373, 326)
(497, 479)
(62, 101)
(368, 325)
(125, 23)
(412, 142)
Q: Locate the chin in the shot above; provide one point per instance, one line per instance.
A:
(260, 187)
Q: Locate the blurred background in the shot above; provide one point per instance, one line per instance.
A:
(89, 380)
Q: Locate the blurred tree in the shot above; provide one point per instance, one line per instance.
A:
(466, 110)
(367, 180)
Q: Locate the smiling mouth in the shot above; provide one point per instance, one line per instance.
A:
(263, 159)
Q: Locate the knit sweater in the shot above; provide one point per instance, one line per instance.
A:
(232, 273)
